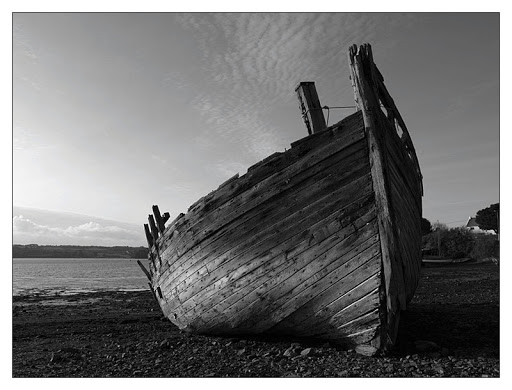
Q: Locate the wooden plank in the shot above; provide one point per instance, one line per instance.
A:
(258, 258)
(158, 218)
(407, 215)
(328, 301)
(148, 275)
(276, 263)
(261, 300)
(394, 147)
(300, 282)
(411, 254)
(408, 218)
(366, 300)
(316, 235)
(246, 209)
(251, 179)
(270, 213)
(402, 198)
(303, 251)
(397, 156)
(270, 166)
(266, 161)
(199, 228)
(363, 300)
(152, 225)
(362, 323)
(348, 124)
(409, 230)
(384, 95)
(230, 180)
(394, 282)
(365, 330)
(293, 212)
(149, 237)
(236, 216)
(292, 224)
(312, 281)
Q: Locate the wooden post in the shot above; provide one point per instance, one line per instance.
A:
(166, 217)
(149, 237)
(158, 218)
(144, 270)
(352, 81)
(361, 64)
(152, 225)
(310, 106)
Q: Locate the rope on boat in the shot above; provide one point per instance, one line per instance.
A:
(328, 108)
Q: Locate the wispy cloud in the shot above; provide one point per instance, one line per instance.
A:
(159, 158)
(21, 44)
(24, 138)
(269, 53)
(24, 56)
(230, 168)
(175, 79)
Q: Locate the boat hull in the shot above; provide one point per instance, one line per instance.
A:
(322, 240)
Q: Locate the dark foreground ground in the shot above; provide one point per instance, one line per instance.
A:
(451, 330)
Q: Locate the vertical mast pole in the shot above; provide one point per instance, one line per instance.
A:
(310, 106)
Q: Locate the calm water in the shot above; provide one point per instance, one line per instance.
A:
(68, 276)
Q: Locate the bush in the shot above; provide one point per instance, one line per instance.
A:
(454, 243)
(457, 243)
(485, 247)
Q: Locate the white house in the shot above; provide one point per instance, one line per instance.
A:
(473, 227)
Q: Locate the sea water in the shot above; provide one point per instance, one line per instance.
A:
(70, 276)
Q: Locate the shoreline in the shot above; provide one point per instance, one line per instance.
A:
(450, 330)
(59, 293)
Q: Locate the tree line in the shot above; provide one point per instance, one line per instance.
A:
(459, 242)
(78, 251)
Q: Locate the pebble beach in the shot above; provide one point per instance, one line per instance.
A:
(450, 330)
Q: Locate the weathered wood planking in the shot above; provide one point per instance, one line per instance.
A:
(248, 211)
(253, 177)
(405, 195)
(260, 299)
(355, 308)
(262, 244)
(286, 207)
(183, 260)
(407, 174)
(238, 277)
(330, 300)
(239, 207)
(360, 65)
(300, 251)
(306, 286)
(281, 180)
(300, 282)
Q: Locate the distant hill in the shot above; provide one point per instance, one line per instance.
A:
(78, 251)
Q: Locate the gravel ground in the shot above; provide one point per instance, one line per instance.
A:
(450, 330)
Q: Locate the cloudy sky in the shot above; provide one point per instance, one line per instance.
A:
(113, 113)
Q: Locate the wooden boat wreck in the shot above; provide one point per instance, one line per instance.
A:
(322, 240)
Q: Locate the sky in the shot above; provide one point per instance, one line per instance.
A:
(113, 113)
